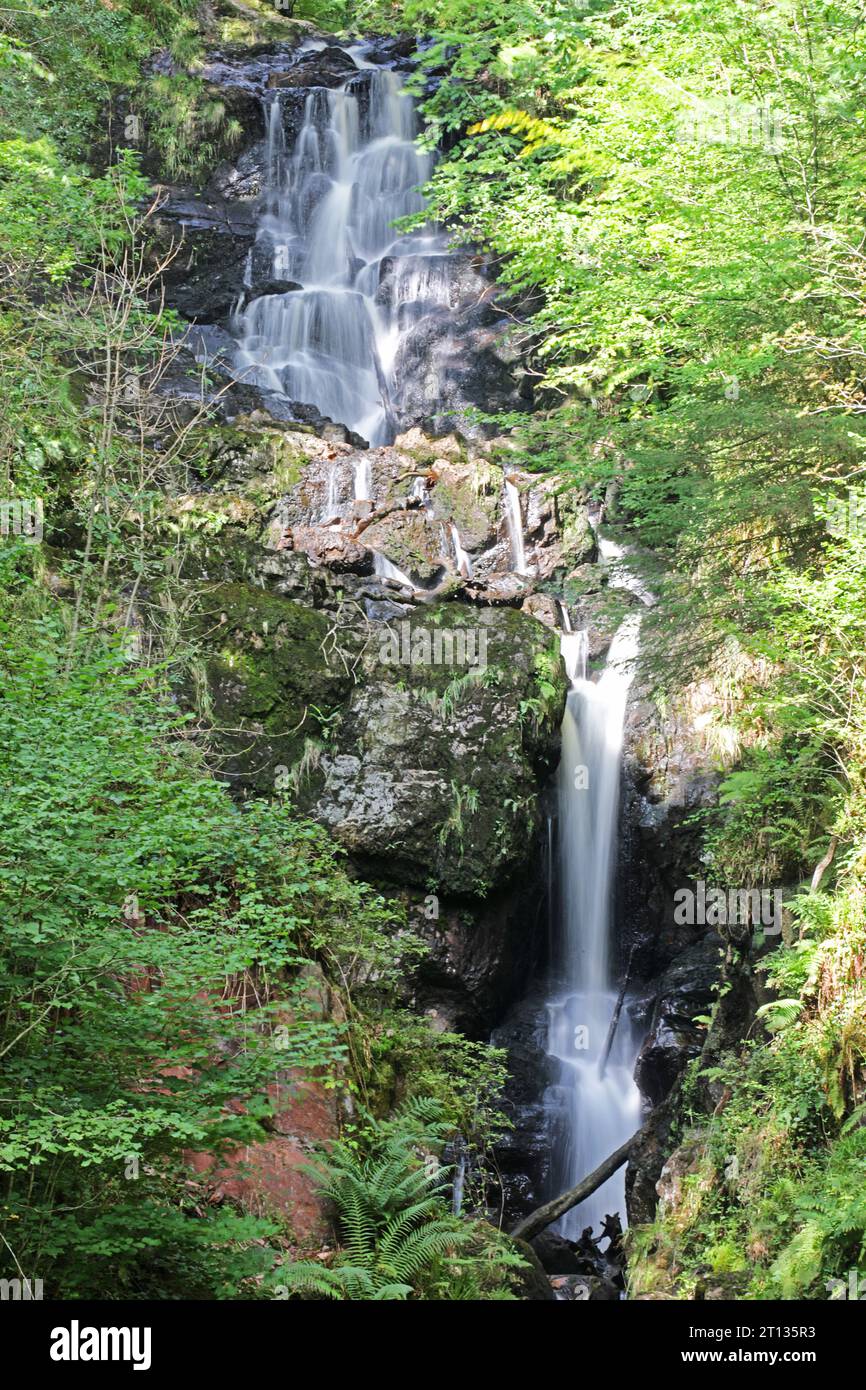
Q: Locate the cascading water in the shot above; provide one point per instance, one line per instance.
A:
(326, 225)
(461, 556)
(384, 569)
(514, 522)
(590, 1114)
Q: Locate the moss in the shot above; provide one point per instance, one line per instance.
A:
(271, 688)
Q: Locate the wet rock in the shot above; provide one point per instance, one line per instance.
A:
(333, 549)
(557, 1254)
(684, 992)
(433, 776)
(328, 67)
(205, 278)
(241, 179)
(523, 1153)
(266, 287)
(479, 958)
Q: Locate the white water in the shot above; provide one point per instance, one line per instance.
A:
(514, 522)
(461, 556)
(384, 569)
(590, 1115)
(326, 223)
(363, 480)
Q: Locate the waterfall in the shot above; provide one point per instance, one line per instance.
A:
(461, 557)
(363, 480)
(326, 224)
(332, 502)
(514, 522)
(590, 1116)
(384, 569)
(574, 647)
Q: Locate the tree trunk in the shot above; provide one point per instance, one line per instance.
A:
(551, 1211)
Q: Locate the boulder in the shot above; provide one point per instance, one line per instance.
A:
(433, 774)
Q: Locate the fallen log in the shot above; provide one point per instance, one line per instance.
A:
(551, 1211)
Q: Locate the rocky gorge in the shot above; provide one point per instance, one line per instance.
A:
(383, 599)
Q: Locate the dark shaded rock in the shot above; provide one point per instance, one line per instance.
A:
(242, 178)
(328, 67)
(646, 1160)
(258, 291)
(204, 280)
(685, 991)
(523, 1154)
(532, 1284)
(479, 958)
(556, 1254)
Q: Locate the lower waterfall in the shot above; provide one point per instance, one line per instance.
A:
(589, 1113)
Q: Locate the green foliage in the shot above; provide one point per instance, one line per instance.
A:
(189, 127)
(141, 908)
(397, 1239)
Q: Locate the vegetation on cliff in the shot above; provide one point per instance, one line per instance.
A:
(676, 190)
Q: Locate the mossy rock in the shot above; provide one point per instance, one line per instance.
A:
(272, 694)
(432, 778)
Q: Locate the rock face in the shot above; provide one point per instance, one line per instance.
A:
(685, 992)
(434, 769)
(272, 1175)
(416, 717)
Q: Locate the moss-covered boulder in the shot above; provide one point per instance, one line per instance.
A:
(270, 690)
(432, 777)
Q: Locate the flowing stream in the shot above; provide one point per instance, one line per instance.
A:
(326, 226)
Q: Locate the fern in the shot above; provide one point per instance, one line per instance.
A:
(391, 1218)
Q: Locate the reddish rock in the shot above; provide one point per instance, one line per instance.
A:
(270, 1176)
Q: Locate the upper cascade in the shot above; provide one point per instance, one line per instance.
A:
(326, 224)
